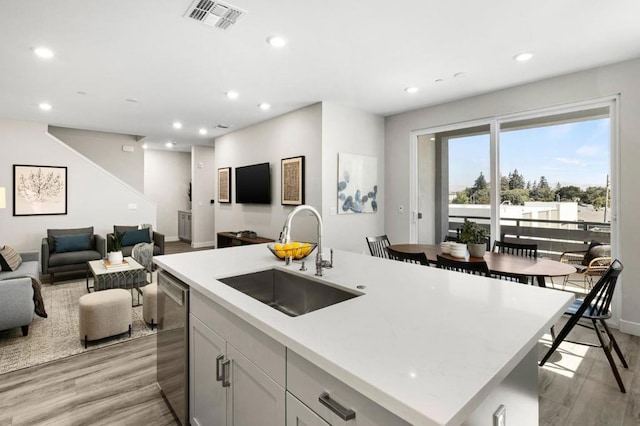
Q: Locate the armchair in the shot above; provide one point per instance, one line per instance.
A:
(67, 250)
(136, 237)
(590, 263)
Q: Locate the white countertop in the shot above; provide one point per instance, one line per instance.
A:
(427, 344)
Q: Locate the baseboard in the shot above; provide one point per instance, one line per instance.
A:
(201, 244)
(171, 239)
(630, 327)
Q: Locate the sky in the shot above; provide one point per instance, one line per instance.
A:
(569, 154)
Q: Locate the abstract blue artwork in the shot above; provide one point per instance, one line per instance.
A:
(357, 183)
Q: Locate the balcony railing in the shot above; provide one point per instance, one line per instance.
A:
(552, 236)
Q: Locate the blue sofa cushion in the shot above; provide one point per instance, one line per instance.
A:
(69, 243)
(52, 233)
(131, 238)
(10, 259)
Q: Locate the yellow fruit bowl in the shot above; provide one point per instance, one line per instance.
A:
(294, 249)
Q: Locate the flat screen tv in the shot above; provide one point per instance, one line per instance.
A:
(253, 184)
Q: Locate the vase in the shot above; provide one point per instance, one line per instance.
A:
(477, 250)
(115, 257)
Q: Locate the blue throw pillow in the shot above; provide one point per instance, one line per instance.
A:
(131, 238)
(75, 242)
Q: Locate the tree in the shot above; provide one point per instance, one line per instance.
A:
(516, 197)
(516, 180)
(569, 193)
(480, 183)
(461, 198)
(504, 183)
(543, 182)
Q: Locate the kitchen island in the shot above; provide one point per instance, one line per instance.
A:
(431, 347)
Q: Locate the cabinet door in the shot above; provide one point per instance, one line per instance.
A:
(299, 414)
(255, 398)
(187, 227)
(207, 397)
(181, 223)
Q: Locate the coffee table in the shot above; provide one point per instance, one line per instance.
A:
(127, 276)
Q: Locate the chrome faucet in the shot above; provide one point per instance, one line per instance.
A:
(285, 237)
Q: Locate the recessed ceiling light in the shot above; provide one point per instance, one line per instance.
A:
(411, 89)
(145, 146)
(170, 144)
(522, 57)
(202, 131)
(232, 95)
(43, 52)
(80, 92)
(44, 106)
(438, 80)
(132, 100)
(264, 106)
(222, 126)
(177, 125)
(433, 139)
(460, 74)
(276, 41)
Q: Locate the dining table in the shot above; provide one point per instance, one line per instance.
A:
(498, 263)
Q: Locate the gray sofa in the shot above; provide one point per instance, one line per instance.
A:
(16, 294)
(54, 261)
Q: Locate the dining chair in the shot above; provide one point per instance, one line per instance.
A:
(594, 307)
(377, 245)
(419, 258)
(590, 264)
(474, 268)
(515, 249)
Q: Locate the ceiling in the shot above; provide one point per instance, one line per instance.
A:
(356, 53)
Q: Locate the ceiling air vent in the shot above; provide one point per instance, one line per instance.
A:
(214, 13)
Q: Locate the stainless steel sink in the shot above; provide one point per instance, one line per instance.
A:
(291, 294)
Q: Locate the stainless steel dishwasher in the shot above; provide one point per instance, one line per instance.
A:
(173, 344)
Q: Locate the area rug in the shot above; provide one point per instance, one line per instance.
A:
(57, 336)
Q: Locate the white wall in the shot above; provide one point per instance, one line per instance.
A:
(166, 181)
(95, 197)
(203, 175)
(619, 78)
(355, 132)
(105, 149)
(293, 134)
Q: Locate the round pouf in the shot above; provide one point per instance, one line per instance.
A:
(104, 313)
(150, 304)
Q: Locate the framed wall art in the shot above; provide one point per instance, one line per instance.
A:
(292, 181)
(39, 190)
(357, 184)
(224, 185)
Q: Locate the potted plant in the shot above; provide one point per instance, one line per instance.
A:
(115, 256)
(475, 237)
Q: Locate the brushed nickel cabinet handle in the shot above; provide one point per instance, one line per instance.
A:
(342, 412)
(226, 366)
(218, 372)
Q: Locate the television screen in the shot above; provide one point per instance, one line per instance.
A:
(253, 184)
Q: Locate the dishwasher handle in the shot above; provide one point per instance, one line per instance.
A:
(172, 289)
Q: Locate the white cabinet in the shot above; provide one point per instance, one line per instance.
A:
(208, 399)
(299, 414)
(184, 225)
(331, 399)
(227, 386)
(255, 398)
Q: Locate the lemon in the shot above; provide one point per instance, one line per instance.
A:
(281, 253)
(277, 246)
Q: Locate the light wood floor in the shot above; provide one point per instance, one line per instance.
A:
(115, 385)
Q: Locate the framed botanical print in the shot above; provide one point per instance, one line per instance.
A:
(292, 181)
(39, 190)
(224, 185)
